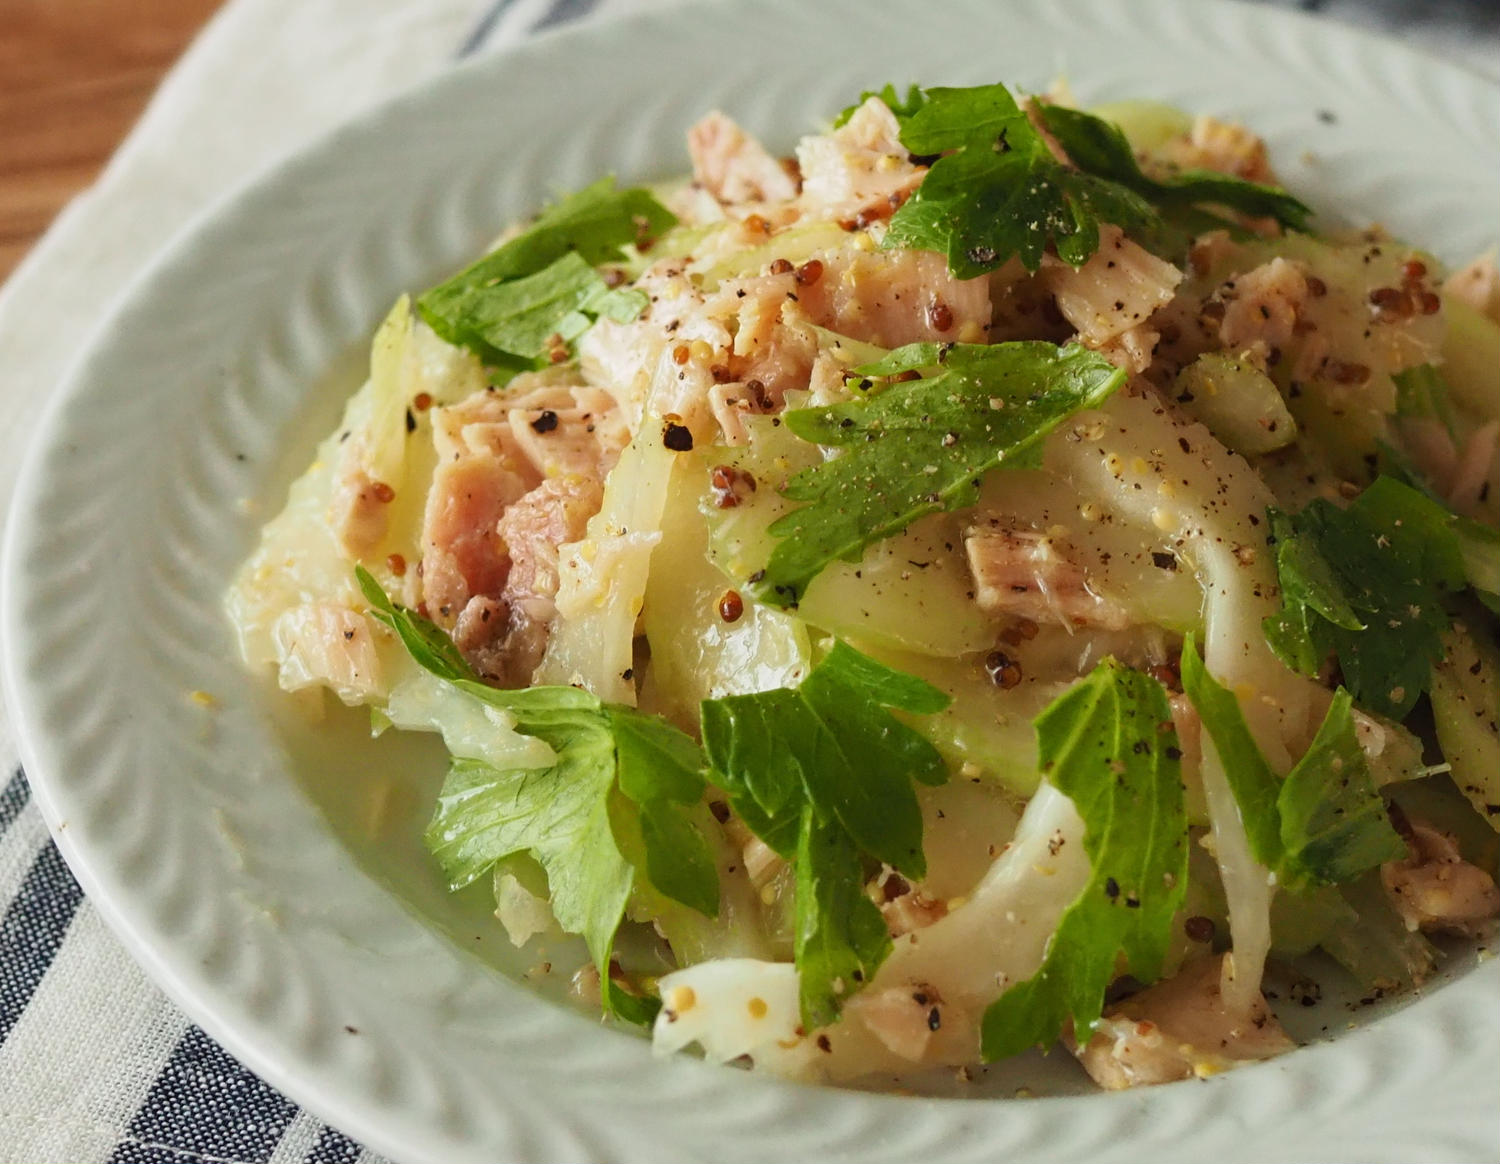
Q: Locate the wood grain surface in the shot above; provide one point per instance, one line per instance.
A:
(74, 77)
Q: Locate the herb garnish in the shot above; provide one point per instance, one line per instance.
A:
(1324, 823)
(823, 775)
(995, 189)
(917, 447)
(1108, 745)
(611, 759)
(1369, 584)
(513, 305)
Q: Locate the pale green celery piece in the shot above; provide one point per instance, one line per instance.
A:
(1377, 948)
(1400, 753)
(697, 652)
(527, 870)
(910, 592)
(384, 430)
(796, 245)
(471, 729)
(1301, 922)
(852, 352)
(985, 732)
(779, 914)
(1148, 125)
(1345, 422)
(1129, 562)
(1437, 801)
(1471, 359)
(1237, 402)
(1465, 696)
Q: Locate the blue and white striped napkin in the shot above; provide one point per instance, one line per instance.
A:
(95, 1063)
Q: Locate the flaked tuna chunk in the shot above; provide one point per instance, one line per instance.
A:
(907, 1020)
(1117, 290)
(1434, 888)
(1179, 1029)
(733, 166)
(1261, 307)
(359, 511)
(859, 169)
(1478, 285)
(322, 644)
(1025, 574)
(556, 511)
(1223, 146)
(462, 552)
(504, 637)
(515, 469)
(541, 431)
(906, 907)
(896, 297)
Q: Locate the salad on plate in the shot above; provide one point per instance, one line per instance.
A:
(999, 576)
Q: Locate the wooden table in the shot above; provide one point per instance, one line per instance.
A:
(74, 76)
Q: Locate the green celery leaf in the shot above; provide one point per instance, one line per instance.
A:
(422, 638)
(1478, 544)
(1333, 822)
(1100, 148)
(508, 305)
(914, 101)
(1369, 584)
(519, 317)
(1254, 784)
(661, 770)
(560, 815)
(823, 775)
(764, 782)
(995, 190)
(921, 446)
(638, 1009)
(833, 744)
(841, 937)
(658, 769)
(1108, 745)
(1323, 824)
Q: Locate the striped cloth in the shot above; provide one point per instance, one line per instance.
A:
(95, 1063)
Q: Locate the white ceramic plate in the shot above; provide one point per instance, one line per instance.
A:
(333, 964)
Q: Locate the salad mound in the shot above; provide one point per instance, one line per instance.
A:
(994, 578)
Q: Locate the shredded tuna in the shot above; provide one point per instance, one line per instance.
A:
(1178, 1029)
(1478, 285)
(324, 644)
(1133, 350)
(518, 473)
(359, 511)
(904, 1019)
(1118, 289)
(1212, 144)
(1434, 888)
(462, 552)
(910, 909)
(1261, 306)
(733, 166)
(859, 168)
(897, 297)
(1023, 574)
